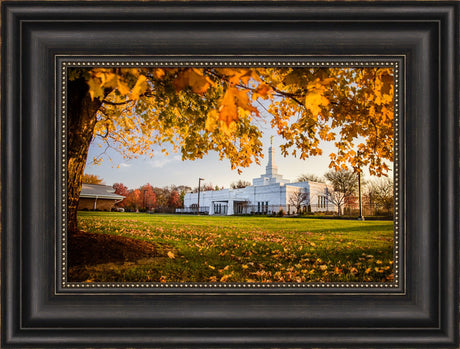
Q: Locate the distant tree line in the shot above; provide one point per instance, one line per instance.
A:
(149, 198)
(206, 187)
(210, 187)
(240, 184)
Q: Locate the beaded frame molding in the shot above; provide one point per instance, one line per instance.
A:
(63, 63)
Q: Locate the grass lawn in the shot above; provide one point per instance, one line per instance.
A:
(242, 249)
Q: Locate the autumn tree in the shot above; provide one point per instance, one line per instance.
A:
(161, 195)
(123, 190)
(120, 189)
(240, 184)
(217, 109)
(344, 184)
(298, 199)
(174, 200)
(149, 197)
(310, 178)
(92, 179)
(133, 201)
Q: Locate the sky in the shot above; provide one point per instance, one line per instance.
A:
(161, 170)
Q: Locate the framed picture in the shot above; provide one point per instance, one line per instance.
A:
(265, 260)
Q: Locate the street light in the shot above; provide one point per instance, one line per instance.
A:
(199, 183)
(361, 217)
(143, 199)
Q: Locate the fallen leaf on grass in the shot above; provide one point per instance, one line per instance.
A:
(224, 278)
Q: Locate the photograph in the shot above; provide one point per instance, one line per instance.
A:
(231, 174)
(244, 174)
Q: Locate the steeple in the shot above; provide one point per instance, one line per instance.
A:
(271, 168)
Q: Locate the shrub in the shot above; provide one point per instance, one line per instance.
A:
(281, 213)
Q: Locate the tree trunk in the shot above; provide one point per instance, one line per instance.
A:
(81, 121)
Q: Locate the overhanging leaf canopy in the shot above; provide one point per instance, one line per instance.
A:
(197, 110)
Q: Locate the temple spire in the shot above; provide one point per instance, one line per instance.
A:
(271, 168)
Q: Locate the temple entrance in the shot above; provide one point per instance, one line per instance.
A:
(240, 207)
(220, 208)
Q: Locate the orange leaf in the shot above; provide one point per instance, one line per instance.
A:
(139, 87)
(194, 79)
(263, 90)
(159, 73)
(228, 112)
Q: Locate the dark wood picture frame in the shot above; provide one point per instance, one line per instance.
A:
(421, 312)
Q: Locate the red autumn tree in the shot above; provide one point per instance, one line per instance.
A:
(123, 190)
(134, 200)
(148, 197)
(174, 200)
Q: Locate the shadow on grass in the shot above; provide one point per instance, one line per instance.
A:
(89, 249)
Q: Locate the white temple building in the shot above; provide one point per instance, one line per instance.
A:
(268, 194)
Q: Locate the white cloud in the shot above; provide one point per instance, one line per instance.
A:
(123, 164)
(159, 162)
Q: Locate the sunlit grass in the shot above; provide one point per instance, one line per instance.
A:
(245, 249)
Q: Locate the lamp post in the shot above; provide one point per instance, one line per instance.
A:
(361, 217)
(143, 199)
(199, 188)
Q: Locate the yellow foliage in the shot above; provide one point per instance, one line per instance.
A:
(314, 101)
(198, 110)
